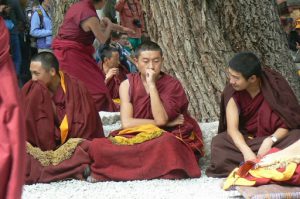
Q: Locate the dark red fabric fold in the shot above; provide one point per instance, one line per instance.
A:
(83, 119)
(76, 59)
(12, 136)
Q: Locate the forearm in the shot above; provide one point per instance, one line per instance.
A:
(293, 149)
(132, 122)
(106, 34)
(158, 111)
(239, 141)
(280, 133)
(38, 33)
(107, 79)
(117, 28)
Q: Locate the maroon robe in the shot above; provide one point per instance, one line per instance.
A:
(12, 146)
(43, 121)
(164, 157)
(74, 50)
(275, 107)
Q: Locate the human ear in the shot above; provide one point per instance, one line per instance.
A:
(252, 78)
(52, 71)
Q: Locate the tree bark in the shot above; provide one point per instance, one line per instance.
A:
(59, 10)
(199, 37)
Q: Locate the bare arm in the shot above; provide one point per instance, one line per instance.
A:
(119, 28)
(267, 144)
(127, 119)
(101, 31)
(158, 110)
(232, 117)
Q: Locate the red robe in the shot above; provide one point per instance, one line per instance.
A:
(42, 126)
(12, 146)
(73, 48)
(164, 157)
(275, 107)
(127, 17)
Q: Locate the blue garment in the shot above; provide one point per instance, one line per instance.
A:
(124, 61)
(44, 36)
(16, 51)
(9, 24)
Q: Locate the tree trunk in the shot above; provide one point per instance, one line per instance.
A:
(59, 10)
(199, 37)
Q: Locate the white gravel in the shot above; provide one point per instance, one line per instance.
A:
(203, 187)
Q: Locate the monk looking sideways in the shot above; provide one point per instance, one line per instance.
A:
(258, 111)
(60, 119)
(159, 139)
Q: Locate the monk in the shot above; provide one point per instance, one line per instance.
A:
(258, 111)
(12, 146)
(159, 139)
(114, 72)
(61, 118)
(74, 50)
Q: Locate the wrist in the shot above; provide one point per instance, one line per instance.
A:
(246, 150)
(151, 85)
(273, 138)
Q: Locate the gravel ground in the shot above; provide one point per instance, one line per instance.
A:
(203, 187)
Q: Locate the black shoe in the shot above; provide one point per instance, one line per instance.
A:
(86, 172)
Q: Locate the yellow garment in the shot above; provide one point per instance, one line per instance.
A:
(64, 127)
(117, 101)
(273, 174)
(144, 133)
(234, 179)
(47, 158)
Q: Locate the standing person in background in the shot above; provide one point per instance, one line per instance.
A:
(12, 146)
(14, 18)
(74, 50)
(41, 26)
(131, 15)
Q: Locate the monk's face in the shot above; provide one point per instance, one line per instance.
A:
(113, 61)
(38, 72)
(237, 80)
(149, 60)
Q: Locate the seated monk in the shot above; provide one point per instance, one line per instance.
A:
(60, 119)
(159, 139)
(258, 111)
(114, 72)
